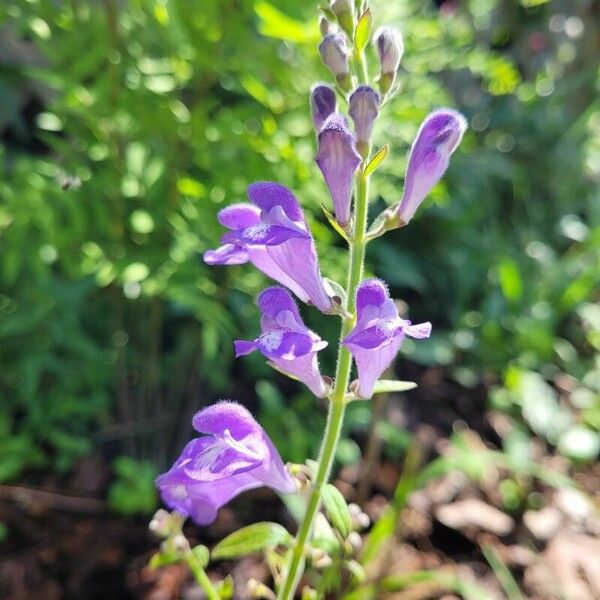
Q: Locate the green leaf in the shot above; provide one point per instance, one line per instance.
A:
(334, 223)
(337, 509)
(379, 157)
(363, 31)
(225, 588)
(253, 538)
(276, 24)
(391, 385)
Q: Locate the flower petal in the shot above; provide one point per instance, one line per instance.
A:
(322, 104)
(338, 159)
(268, 194)
(215, 419)
(306, 369)
(227, 254)
(239, 216)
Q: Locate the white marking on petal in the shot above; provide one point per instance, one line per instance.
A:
(271, 340)
(256, 232)
(179, 492)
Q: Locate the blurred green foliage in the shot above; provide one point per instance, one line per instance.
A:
(126, 127)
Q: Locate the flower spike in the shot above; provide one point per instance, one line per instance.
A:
(272, 234)
(338, 159)
(234, 455)
(437, 139)
(286, 341)
(378, 334)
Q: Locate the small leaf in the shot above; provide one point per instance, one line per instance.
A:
(225, 588)
(334, 223)
(253, 538)
(363, 31)
(391, 385)
(337, 509)
(202, 555)
(379, 157)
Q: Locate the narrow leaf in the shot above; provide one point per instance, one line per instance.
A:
(381, 155)
(334, 223)
(161, 559)
(253, 538)
(391, 385)
(337, 509)
(363, 31)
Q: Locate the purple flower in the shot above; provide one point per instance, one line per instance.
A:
(234, 455)
(378, 333)
(272, 234)
(322, 104)
(338, 160)
(364, 108)
(334, 54)
(286, 341)
(437, 139)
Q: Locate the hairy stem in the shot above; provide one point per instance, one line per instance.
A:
(201, 577)
(337, 405)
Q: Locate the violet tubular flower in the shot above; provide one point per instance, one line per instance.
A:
(438, 137)
(286, 341)
(378, 334)
(322, 104)
(363, 108)
(233, 456)
(338, 159)
(273, 235)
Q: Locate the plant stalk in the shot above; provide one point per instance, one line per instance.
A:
(201, 577)
(337, 405)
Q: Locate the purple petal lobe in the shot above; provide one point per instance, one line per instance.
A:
(243, 347)
(364, 108)
(437, 139)
(267, 194)
(371, 292)
(322, 104)
(268, 235)
(334, 53)
(227, 254)
(239, 216)
(338, 159)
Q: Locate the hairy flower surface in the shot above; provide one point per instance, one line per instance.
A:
(233, 456)
(272, 234)
(438, 137)
(322, 104)
(286, 341)
(338, 159)
(378, 333)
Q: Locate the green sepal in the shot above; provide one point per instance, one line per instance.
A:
(335, 224)
(337, 509)
(162, 559)
(201, 554)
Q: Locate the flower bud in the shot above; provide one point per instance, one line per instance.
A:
(344, 11)
(437, 139)
(180, 543)
(364, 108)
(160, 525)
(335, 56)
(324, 26)
(390, 47)
(322, 104)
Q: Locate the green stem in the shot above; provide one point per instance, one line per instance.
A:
(337, 405)
(201, 577)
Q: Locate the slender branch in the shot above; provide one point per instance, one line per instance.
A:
(201, 577)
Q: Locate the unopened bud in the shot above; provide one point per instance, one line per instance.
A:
(324, 26)
(322, 104)
(160, 524)
(355, 541)
(344, 11)
(360, 520)
(363, 108)
(180, 543)
(335, 56)
(259, 591)
(390, 47)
